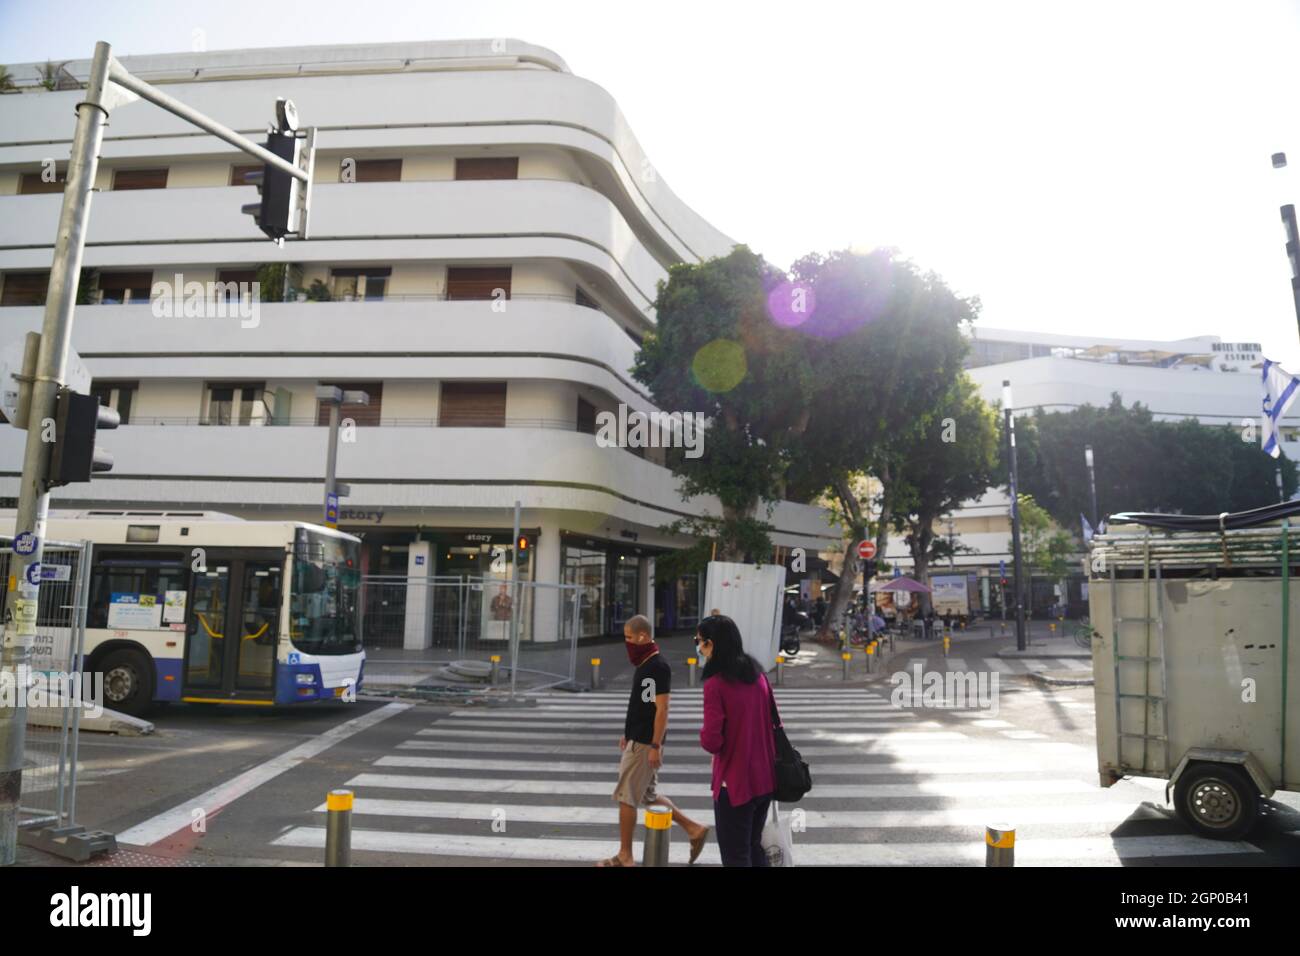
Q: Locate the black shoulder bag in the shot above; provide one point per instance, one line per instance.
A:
(793, 778)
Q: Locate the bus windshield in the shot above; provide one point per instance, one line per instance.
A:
(326, 578)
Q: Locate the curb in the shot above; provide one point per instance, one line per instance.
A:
(1061, 681)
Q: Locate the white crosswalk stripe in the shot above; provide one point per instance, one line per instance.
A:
(891, 787)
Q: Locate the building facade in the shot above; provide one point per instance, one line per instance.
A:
(486, 239)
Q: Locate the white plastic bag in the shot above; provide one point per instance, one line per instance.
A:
(776, 840)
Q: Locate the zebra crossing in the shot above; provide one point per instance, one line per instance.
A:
(892, 787)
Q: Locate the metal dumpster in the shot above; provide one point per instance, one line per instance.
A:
(1196, 679)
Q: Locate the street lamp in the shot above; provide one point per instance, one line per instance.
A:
(1021, 641)
(333, 396)
(1092, 483)
(1292, 234)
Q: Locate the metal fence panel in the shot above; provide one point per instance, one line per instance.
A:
(532, 626)
(50, 750)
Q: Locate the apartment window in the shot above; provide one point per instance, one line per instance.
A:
(25, 288)
(140, 178)
(117, 396)
(31, 184)
(584, 300)
(236, 403)
(240, 172)
(472, 405)
(488, 167)
(118, 287)
(378, 171)
(361, 414)
(477, 283)
(370, 282)
(586, 417)
(232, 283)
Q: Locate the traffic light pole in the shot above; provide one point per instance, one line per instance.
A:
(33, 496)
(51, 370)
(1021, 640)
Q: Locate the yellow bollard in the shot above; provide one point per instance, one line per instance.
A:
(496, 667)
(847, 658)
(595, 673)
(871, 657)
(946, 642)
(999, 845)
(658, 824)
(691, 662)
(780, 670)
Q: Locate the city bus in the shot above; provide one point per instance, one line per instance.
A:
(205, 607)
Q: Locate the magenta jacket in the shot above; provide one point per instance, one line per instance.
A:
(738, 732)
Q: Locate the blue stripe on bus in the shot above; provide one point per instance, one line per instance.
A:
(165, 667)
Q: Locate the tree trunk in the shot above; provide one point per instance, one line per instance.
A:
(852, 566)
(922, 536)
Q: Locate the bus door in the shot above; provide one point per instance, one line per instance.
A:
(233, 626)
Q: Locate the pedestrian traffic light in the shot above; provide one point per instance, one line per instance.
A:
(521, 546)
(74, 456)
(286, 200)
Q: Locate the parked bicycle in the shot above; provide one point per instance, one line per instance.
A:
(1084, 633)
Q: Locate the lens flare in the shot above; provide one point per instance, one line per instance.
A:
(791, 304)
(720, 366)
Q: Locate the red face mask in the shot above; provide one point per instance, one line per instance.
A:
(638, 654)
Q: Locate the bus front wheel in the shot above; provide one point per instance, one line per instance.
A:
(128, 682)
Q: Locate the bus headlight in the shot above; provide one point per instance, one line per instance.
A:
(306, 679)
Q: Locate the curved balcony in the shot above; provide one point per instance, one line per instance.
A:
(499, 220)
(387, 110)
(396, 467)
(534, 338)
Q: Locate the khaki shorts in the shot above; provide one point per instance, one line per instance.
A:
(636, 778)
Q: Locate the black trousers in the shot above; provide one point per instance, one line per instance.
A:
(740, 829)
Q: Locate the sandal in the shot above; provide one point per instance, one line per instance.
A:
(697, 845)
(612, 861)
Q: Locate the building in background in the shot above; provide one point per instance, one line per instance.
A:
(486, 238)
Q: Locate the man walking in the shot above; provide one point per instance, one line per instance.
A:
(642, 743)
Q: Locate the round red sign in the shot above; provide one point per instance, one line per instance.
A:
(867, 550)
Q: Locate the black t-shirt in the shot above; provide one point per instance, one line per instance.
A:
(651, 679)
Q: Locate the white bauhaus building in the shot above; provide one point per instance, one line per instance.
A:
(486, 239)
(1202, 378)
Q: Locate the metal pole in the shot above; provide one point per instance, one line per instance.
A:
(33, 500)
(122, 78)
(338, 828)
(514, 605)
(1092, 483)
(693, 662)
(595, 673)
(1021, 641)
(658, 824)
(780, 671)
(331, 458)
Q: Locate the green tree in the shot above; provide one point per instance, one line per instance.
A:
(953, 460)
(50, 74)
(6, 80)
(1047, 549)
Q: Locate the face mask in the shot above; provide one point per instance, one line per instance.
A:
(638, 654)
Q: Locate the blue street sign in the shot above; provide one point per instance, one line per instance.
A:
(332, 510)
(898, 572)
(1002, 569)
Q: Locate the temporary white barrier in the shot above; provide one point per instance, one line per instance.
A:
(749, 594)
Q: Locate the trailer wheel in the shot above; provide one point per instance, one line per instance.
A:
(1217, 800)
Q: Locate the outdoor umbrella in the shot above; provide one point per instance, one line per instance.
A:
(906, 584)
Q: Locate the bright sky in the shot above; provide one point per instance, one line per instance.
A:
(1083, 167)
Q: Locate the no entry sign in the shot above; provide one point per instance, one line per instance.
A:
(867, 550)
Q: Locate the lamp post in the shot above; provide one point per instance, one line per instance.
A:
(1292, 234)
(951, 544)
(1021, 641)
(333, 396)
(1092, 483)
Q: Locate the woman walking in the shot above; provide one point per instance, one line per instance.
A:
(738, 719)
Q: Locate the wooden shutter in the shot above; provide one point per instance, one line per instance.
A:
(361, 414)
(472, 405)
(477, 283)
(31, 184)
(379, 170)
(488, 167)
(140, 179)
(25, 288)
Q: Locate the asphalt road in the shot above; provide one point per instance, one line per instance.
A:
(530, 785)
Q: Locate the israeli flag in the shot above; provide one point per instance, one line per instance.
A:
(1280, 388)
(1087, 529)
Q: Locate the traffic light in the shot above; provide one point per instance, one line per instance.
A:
(285, 200)
(521, 548)
(74, 456)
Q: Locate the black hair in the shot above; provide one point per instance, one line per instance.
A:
(728, 658)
